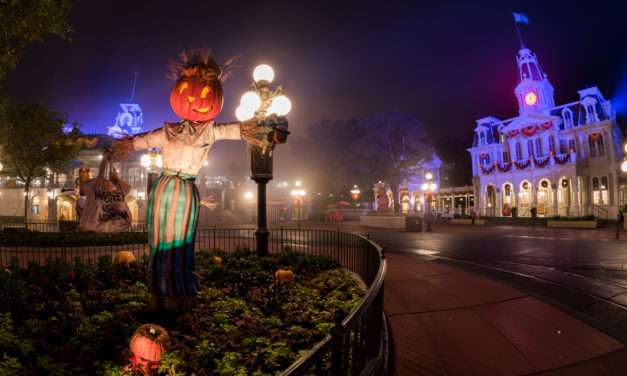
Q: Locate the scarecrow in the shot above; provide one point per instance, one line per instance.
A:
(173, 203)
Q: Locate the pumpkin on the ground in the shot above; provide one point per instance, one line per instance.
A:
(147, 345)
(283, 275)
(124, 258)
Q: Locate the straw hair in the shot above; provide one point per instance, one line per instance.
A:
(198, 63)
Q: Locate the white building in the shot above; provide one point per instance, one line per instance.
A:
(560, 160)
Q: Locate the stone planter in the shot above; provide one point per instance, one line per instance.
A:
(466, 221)
(572, 224)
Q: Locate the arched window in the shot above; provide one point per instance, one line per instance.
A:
(590, 114)
(482, 138)
(567, 115)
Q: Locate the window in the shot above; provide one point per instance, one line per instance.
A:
(506, 157)
(567, 115)
(539, 152)
(482, 138)
(530, 148)
(518, 151)
(563, 147)
(590, 114)
(571, 146)
(600, 191)
(551, 144)
(595, 141)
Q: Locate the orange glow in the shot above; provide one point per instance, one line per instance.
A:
(531, 98)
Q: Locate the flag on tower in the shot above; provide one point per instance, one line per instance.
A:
(521, 18)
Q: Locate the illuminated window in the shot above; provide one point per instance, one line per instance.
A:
(600, 191)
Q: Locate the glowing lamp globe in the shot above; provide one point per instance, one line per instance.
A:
(623, 166)
(531, 98)
(263, 72)
(145, 160)
(624, 148)
(244, 113)
(424, 186)
(251, 100)
(428, 176)
(159, 161)
(281, 105)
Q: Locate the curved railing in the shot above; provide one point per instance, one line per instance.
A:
(355, 343)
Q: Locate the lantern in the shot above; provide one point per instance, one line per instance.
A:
(196, 99)
(531, 98)
(147, 344)
(217, 260)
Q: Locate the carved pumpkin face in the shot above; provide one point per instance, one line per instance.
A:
(195, 99)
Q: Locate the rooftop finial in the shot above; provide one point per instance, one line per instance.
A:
(134, 85)
(520, 18)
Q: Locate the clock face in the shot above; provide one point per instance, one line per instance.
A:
(531, 98)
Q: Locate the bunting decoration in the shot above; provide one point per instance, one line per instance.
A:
(562, 159)
(541, 162)
(521, 165)
(504, 168)
(530, 130)
(487, 170)
(513, 133)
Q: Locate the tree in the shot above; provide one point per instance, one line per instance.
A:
(28, 21)
(391, 143)
(32, 141)
(339, 154)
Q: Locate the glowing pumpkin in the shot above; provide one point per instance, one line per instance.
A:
(148, 343)
(124, 258)
(196, 99)
(217, 260)
(283, 276)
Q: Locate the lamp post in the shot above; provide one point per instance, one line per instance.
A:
(151, 161)
(263, 102)
(299, 195)
(355, 192)
(429, 188)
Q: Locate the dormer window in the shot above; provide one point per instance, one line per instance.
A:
(591, 114)
(482, 138)
(567, 115)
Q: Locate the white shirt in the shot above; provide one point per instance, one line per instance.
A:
(184, 147)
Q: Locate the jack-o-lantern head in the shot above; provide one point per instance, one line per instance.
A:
(197, 94)
(196, 99)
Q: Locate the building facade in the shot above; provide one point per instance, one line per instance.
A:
(550, 159)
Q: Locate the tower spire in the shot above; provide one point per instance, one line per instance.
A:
(134, 85)
(520, 18)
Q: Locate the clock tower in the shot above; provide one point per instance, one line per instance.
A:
(534, 92)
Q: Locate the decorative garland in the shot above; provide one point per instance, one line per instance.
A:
(542, 162)
(522, 165)
(483, 156)
(505, 168)
(547, 125)
(530, 130)
(488, 170)
(562, 160)
(595, 136)
(513, 133)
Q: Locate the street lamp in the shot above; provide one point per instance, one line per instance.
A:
(428, 187)
(262, 102)
(151, 161)
(355, 192)
(298, 195)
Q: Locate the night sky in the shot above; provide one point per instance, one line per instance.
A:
(448, 62)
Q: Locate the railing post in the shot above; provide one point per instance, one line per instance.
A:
(337, 352)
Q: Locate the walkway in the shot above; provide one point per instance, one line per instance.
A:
(446, 321)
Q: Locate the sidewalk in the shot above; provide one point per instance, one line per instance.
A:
(446, 321)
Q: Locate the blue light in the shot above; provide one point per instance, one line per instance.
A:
(619, 102)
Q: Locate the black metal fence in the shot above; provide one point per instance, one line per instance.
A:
(354, 346)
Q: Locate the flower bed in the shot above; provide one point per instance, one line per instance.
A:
(77, 319)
